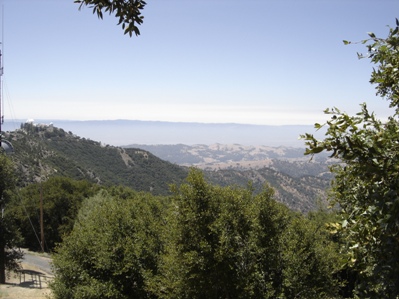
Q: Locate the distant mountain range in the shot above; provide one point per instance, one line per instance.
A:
(235, 156)
(42, 151)
(124, 132)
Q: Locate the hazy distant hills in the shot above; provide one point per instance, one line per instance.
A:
(298, 180)
(42, 151)
(290, 160)
(124, 132)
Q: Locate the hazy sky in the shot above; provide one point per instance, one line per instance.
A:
(255, 62)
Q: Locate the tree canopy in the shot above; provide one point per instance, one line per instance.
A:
(62, 198)
(112, 251)
(231, 243)
(205, 241)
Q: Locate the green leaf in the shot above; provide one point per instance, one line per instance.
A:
(318, 126)
(371, 34)
(317, 150)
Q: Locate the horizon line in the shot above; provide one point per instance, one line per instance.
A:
(25, 120)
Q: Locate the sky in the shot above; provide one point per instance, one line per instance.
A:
(213, 61)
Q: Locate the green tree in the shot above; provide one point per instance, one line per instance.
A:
(113, 249)
(9, 237)
(214, 240)
(310, 260)
(127, 11)
(205, 242)
(366, 184)
(229, 243)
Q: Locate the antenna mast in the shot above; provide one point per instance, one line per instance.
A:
(4, 144)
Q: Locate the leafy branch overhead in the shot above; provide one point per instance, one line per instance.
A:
(127, 11)
(385, 54)
(366, 184)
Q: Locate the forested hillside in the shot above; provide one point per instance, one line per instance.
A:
(303, 193)
(42, 151)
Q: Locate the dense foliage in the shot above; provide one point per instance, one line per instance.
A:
(62, 198)
(231, 243)
(366, 185)
(112, 251)
(205, 241)
(9, 236)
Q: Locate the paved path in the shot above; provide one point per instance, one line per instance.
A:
(41, 262)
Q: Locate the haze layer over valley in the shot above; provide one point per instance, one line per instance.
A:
(125, 132)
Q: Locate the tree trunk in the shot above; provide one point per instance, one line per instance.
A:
(2, 264)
